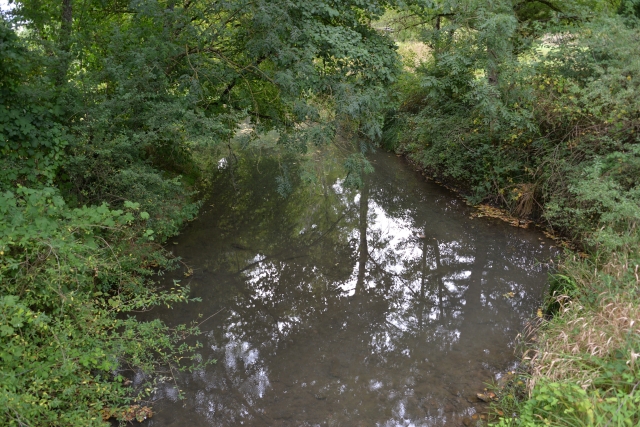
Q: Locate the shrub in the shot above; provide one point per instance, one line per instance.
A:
(67, 275)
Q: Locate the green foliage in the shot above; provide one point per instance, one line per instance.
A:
(32, 142)
(461, 105)
(567, 404)
(66, 275)
(58, 369)
(590, 358)
(599, 188)
(560, 286)
(549, 130)
(553, 403)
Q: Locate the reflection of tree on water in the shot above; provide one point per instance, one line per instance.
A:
(424, 270)
(363, 248)
(374, 306)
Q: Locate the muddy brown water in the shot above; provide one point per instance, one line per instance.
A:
(385, 306)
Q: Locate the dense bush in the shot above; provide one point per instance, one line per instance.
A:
(555, 136)
(66, 276)
(70, 264)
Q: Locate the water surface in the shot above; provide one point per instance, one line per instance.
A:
(385, 306)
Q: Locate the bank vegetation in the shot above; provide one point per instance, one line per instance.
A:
(533, 106)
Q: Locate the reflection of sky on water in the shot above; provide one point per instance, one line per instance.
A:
(323, 327)
(387, 231)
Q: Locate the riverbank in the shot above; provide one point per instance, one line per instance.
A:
(540, 146)
(579, 358)
(68, 276)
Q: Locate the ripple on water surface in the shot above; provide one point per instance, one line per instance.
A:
(385, 306)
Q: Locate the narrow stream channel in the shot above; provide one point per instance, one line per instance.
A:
(386, 306)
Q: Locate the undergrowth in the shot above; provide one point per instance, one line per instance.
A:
(68, 276)
(582, 367)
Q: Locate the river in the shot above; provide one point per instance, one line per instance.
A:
(384, 306)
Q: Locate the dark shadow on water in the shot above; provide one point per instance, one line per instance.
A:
(385, 306)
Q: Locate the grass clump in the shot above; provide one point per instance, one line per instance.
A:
(585, 366)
